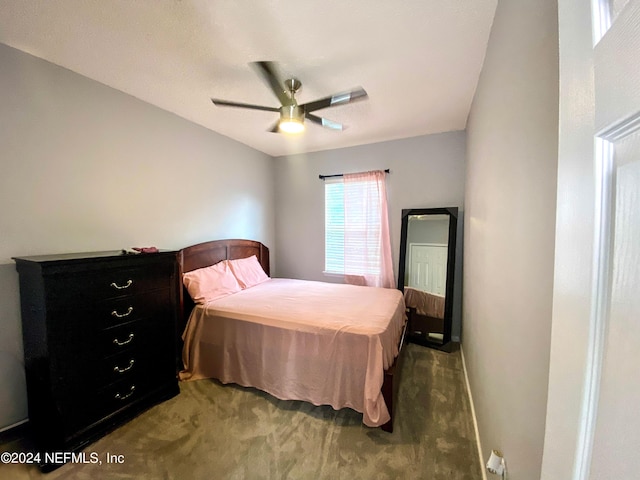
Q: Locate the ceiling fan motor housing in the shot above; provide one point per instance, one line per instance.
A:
(291, 113)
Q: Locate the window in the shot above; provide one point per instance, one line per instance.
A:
(360, 235)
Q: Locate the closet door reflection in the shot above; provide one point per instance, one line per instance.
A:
(427, 254)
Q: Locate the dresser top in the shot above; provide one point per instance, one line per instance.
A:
(80, 256)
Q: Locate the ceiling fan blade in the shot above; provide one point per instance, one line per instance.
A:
(225, 103)
(275, 128)
(337, 99)
(268, 71)
(324, 122)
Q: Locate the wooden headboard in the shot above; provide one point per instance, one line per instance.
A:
(210, 253)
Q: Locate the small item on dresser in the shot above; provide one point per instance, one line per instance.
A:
(145, 249)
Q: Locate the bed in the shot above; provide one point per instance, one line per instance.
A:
(262, 337)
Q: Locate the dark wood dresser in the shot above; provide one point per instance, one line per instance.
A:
(99, 341)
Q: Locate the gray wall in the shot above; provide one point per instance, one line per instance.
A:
(428, 231)
(510, 207)
(84, 167)
(426, 171)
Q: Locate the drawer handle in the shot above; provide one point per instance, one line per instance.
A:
(122, 315)
(117, 369)
(122, 287)
(117, 396)
(128, 340)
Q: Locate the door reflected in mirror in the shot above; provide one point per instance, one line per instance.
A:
(426, 265)
(426, 273)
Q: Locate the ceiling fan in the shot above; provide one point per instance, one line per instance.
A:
(292, 115)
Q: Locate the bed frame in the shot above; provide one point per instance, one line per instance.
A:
(209, 253)
(425, 323)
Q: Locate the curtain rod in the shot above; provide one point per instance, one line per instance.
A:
(322, 177)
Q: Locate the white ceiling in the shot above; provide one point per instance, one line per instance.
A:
(419, 60)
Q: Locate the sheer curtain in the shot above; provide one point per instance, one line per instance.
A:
(367, 243)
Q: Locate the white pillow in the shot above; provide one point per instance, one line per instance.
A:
(209, 283)
(248, 271)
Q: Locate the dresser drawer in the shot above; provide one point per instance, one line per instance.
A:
(80, 321)
(83, 408)
(122, 394)
(99, 285)
(152, 362)
(117, 311)
(129, 365)
(139, 336)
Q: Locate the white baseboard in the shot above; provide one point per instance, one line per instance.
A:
(473, 415)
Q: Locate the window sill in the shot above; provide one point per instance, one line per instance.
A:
(333, 275)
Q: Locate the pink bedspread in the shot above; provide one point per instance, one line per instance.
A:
(323, 343)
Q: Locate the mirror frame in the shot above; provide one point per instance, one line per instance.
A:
(451, 257)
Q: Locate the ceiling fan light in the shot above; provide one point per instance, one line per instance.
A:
(291, 119)
(291, 126)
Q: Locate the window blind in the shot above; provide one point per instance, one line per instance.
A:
(363, 235)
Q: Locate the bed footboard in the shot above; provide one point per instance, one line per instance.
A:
(391, 383)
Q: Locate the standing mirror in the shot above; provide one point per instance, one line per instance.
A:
(425, 274)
